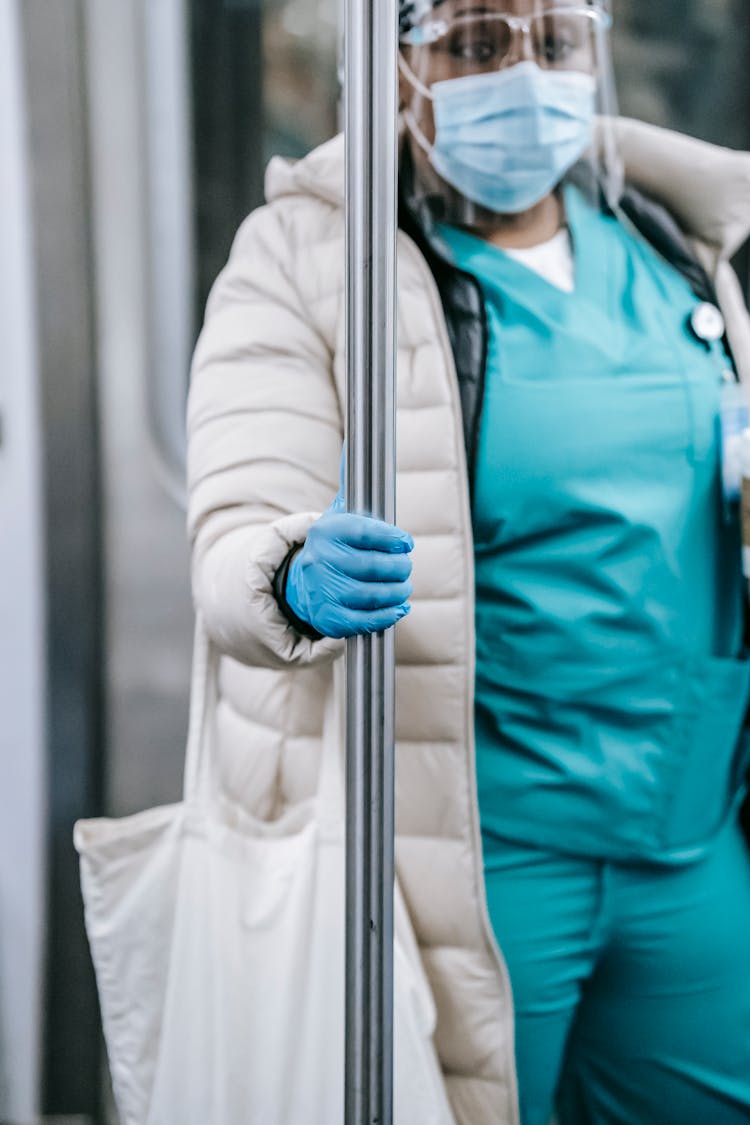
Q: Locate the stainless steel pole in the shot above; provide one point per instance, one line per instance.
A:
(371, 157)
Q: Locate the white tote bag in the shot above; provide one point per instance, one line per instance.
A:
(218, 944)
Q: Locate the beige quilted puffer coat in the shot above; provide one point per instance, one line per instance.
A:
(265, 419)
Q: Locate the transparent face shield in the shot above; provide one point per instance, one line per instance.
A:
(506, 104)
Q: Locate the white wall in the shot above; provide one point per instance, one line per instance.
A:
(22, 729)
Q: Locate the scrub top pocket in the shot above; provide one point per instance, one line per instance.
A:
(644, 767)
(704, 768)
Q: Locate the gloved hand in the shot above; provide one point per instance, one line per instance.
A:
(351, 575)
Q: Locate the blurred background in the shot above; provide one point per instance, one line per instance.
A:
(133, 139)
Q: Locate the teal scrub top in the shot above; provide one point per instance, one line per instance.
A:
(610, 692)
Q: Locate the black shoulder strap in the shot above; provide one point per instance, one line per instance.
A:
(658, 226)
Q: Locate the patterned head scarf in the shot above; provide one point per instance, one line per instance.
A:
(412, 12)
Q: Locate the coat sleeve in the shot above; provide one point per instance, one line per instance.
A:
(264, 430)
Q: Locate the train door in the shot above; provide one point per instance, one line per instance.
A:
(133, 139)
(22, 656)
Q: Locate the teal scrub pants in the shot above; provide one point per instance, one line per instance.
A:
(631, 984)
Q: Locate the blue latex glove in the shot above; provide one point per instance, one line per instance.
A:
(352, 574)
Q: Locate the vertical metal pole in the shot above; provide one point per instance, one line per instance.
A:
(370, 122)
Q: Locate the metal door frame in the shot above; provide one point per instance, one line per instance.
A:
(22, 656)
(54, 54)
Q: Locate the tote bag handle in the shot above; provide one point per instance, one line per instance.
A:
(200, 782)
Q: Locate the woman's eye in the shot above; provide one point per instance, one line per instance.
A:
(556, 48)
(476, 51)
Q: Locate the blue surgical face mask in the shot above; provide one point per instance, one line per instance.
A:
(506, 138)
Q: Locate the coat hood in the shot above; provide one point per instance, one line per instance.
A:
(706, 187)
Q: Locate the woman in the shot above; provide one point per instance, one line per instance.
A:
(570, 685)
